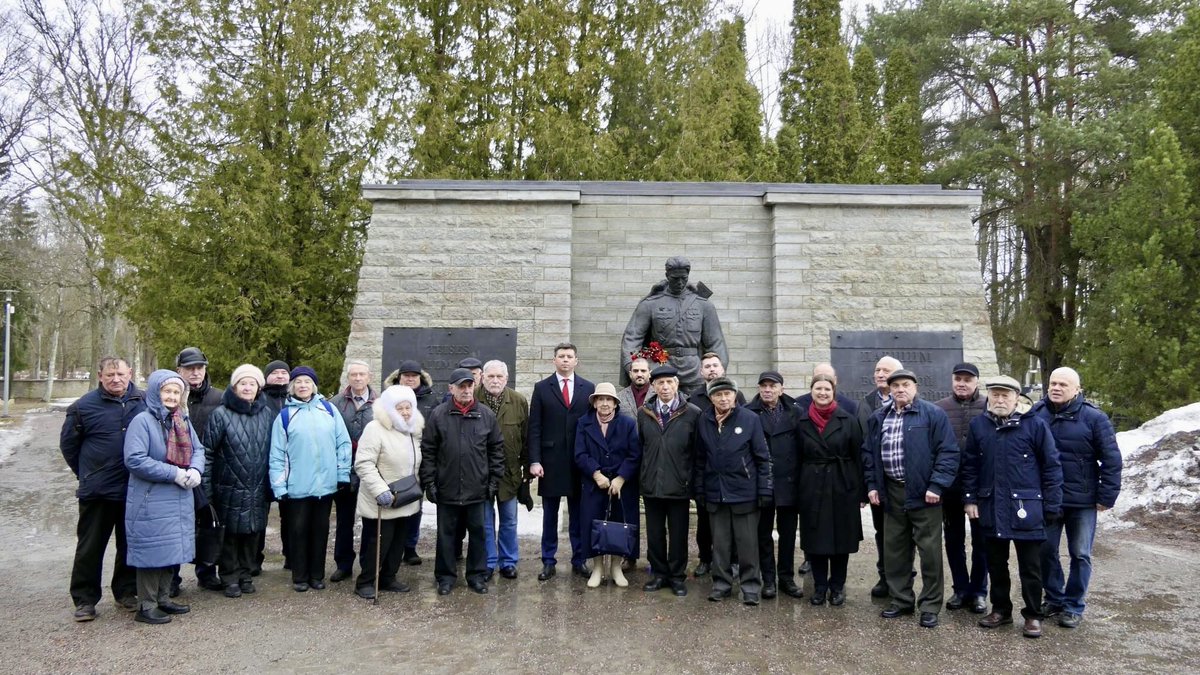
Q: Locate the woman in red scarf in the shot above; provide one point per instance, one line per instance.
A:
(830, 490)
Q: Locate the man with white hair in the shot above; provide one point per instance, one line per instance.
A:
(355, 404)
(1091, 466)
(512, 413)
(871, 402)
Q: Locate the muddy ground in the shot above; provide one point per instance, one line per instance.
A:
(1142, 616)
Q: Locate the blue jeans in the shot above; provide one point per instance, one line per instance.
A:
(507, 556)
(1081, 531)
(550, 530)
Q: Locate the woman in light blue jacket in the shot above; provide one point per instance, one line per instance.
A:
(310, 460)
(165, 461)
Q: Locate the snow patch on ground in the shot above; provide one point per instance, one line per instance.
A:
(11, 438)
(1160, 481)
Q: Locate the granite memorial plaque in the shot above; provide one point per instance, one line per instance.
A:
(441, 349)
(930, 354)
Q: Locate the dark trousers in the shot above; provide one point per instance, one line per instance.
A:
(344, 502)
(413, 532)
(704, 542)
(972, 583)
(1029, 569)
(877, 521)
(98, 520)
(730, 526)
(391, 550)
(448, 516)
(550, 530)
(237, 557)
(785, 519)
(260, 555)
(308, 525)
(154, 586)
(667, 537)
(902, 531)
(828, 572)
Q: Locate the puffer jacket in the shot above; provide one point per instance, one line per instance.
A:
(513, 418)
(160, 517)
(1087, 447)
(1010, 469)
(668, 452)
(462, 455)
(92, 441)
(733, 465)
(385, 455)
(239, 434)
(961, 412)
(312, 456)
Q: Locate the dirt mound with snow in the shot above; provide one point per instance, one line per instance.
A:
(1160, 483)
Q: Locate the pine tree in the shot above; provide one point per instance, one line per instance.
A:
(1140, 349)
(901, 152)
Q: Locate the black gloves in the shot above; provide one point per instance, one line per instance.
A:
(431, 495)
(342, 487)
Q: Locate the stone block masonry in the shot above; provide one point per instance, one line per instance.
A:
(569, 261)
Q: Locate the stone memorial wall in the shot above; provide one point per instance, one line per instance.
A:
(790, 266)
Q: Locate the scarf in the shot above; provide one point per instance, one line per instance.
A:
(179, 441)
(493, 402)
(721, 417)
(604, 421)
(464, 409)
(639, 393)
(821, 416)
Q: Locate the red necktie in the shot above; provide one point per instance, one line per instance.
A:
(566, 394)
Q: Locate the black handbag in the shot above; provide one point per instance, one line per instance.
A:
(209, 537)
(407, 489)
(614, 538)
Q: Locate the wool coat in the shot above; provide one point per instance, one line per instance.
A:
(830, 485)
(552, 434)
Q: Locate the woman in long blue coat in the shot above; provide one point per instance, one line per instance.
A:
(165, 462)
(607, 452)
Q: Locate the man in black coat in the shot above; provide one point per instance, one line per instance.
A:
(203, 398)
(278, 374)
(462, 462)
(667, 427)
(964, 404)
(554, 409)
(93, 444)
(355, 405)
(871, 402)
(777, 412)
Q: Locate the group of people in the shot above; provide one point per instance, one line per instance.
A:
(154, 465)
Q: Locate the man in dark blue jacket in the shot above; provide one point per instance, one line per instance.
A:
(1011, 485)
(909, 458)
(733, 480)
(1091, 467)
(93, 444)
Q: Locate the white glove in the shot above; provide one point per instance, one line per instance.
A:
(193, 478)
(181, 478)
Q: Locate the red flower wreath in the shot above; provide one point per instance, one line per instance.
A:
(653, 353)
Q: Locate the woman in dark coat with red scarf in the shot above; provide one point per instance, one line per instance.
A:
(830, 490)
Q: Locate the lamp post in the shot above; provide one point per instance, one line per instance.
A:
(8, 310)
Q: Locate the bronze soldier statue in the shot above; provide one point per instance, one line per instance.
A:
(681, 320)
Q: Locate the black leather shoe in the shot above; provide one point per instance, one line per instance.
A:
(300, 587)
(894, 611)
(978, 605)
(172, 608)
(805, 567)
(679, 588)
(478, 586)
(233, 591)
(547, 572)
(256, 572)
(818, 597)
(879, 590)
(750, 599)
(175, 590)
(956, 601)
(247, 586)
(210, 584)
(339, 575)
(508, 572)
(153, 616)
(581, 570)
(790, 588)
(718, 595)
(85, 613)
(837, 598)
(491, 574)
(365, 592)
(316, 584)
(444, 589)
(929, 620)
(654, 584)
(411, 557)
(769, 591)
(702, 569)
(394, 586)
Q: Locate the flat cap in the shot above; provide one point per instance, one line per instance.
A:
(902, 374)
(770, 376)
(1003, 382)
(663, 371)
(470, 362)
(968, 368)
(190, 356)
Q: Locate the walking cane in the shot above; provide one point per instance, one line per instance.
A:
(378, 546)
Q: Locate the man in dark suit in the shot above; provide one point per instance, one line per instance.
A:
(555, 407)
